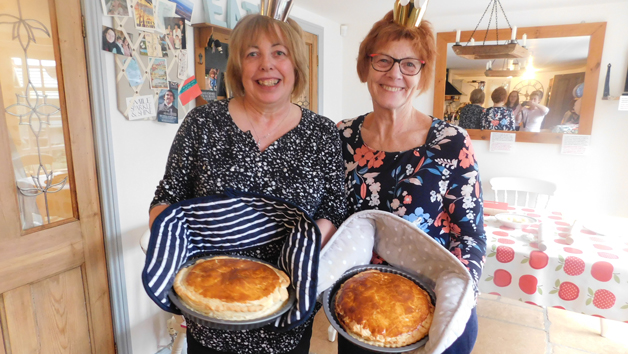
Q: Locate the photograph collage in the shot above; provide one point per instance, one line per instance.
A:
(160, 29)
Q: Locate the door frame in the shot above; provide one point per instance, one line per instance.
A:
(320, 32)
(103, 144)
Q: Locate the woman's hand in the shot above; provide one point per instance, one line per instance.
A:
(154, 212)
(327, 229)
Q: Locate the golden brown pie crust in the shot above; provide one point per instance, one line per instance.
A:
(231, 288)
(384, 309)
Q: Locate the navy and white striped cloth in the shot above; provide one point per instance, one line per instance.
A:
(231, 222)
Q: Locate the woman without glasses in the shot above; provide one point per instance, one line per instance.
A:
(513, 104)
(498, 117)
(259, 142)
(470, 114)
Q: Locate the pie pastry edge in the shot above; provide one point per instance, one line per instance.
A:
(232, 311)
(364, 335)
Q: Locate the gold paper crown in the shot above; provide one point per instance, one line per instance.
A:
(277, 9)
(409, 13)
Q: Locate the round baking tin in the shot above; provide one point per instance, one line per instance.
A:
(329, 304)
(226, 324)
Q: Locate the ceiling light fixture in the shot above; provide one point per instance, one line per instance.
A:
(509, 50)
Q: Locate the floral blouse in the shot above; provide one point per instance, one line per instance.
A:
(435, 186)
(304, 166)
(470, 116)
(498, 118)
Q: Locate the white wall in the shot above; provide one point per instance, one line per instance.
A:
(591, 184)
(594, 183)
(140, 152)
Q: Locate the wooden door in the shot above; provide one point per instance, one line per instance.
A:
(309, 98)
(54, 295)
(561, 98)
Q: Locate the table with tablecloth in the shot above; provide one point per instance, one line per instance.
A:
(569, 267)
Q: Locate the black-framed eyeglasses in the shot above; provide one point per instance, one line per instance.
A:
(408, 66)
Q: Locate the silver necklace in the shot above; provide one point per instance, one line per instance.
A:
(257, 141)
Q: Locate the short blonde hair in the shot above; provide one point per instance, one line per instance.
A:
(537, 93)
(385, 30)
(248, 31)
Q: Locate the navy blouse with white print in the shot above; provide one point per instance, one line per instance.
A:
(210, 154)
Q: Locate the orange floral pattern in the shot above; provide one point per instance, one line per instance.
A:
(435, 186)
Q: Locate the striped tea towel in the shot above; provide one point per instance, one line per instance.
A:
(231, 222)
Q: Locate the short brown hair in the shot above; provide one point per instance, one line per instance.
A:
(248, 31)
(477, 96)
(537, 93)
(499, 95)
(384, 31)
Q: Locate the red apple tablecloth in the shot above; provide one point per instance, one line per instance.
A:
(574, 269)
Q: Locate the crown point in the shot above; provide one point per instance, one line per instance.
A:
(404, 2)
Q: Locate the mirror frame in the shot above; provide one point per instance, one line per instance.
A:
(596, 31)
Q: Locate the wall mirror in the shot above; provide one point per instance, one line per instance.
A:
(565, 64)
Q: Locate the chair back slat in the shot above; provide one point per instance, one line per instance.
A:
(537, 192)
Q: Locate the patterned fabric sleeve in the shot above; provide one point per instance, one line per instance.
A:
(177, 183)
(463, 211)
(333, 206)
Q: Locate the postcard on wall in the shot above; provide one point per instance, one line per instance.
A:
(147, 45)
(175, 29)
(158, 74)
(162, 9)
(575, 144)
(502, 142)
(163, 43)
(144, 15)
(141, 107)
(116, 8)
(189, 90)
(182, 59)
(167, 111)
(154, 45)
(133, 73)
(184, 9)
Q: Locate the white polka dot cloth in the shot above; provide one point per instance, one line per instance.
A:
(406, 247)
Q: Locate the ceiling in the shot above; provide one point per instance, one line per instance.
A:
(344, 11)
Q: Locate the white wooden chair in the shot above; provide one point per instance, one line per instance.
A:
(537, 192)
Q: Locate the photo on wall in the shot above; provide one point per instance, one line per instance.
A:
(115, 8)
(212, 79)
(167, 106)
(184, 8)
(175, 30)
(115, 42)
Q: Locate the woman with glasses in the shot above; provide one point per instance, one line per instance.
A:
(405, 162)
